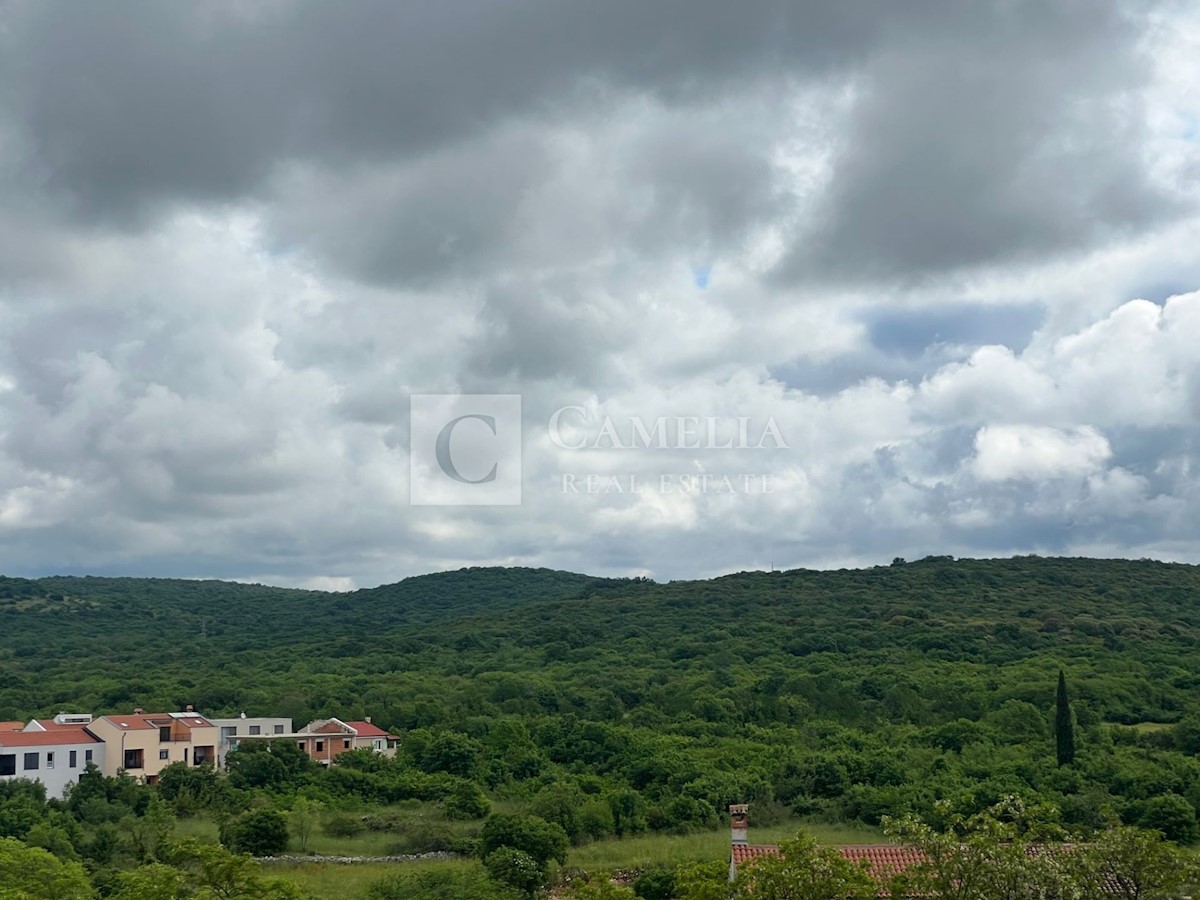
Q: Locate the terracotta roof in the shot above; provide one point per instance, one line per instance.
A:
(60, 735)
(886, 860)
(11, 726)
(366, 729)
(743, 852)
(51, 725)
(129, 723)
(156, 720)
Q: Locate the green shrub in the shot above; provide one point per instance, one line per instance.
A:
(344, 825)
(259, 832)
(467, 801)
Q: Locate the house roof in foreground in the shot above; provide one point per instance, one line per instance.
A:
(883, 860)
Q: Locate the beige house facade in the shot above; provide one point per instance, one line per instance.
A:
(143, 744)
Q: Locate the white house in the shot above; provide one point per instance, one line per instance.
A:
(259, 726)
(53, 751)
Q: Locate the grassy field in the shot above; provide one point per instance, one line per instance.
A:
(640, 852)
(650, 850)
(345, 881)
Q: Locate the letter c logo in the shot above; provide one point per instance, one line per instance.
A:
(446, 461)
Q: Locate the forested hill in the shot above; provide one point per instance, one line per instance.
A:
(90, 608)
(901, 643)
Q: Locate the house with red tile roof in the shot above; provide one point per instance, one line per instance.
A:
(53, 751)
(324, 740)
(882, 861)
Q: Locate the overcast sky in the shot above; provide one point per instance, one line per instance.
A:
(949, 250)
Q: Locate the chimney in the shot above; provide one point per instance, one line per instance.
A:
(738, 823)
(137, 711)
(189, 708)
(367, 719)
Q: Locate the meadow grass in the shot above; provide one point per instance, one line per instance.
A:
(655, 850)
(347, 881)
(412, 818)
(643, 851)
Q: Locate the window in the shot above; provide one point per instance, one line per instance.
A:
(256, 729)
(31, 761)
(87, 757)
(164, 754)
(164, 733)
(133, 759)
(279, 729)
(185, 754)
(49, 760)
(227, 732)
(345, 745)
(8, 764)
(300, 744)
(320, 746)
(73, 758)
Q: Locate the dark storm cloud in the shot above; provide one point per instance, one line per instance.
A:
(1002, 131)
(235, 237)
(127, 102)
(982, 129)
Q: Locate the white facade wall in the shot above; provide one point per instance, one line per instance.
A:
(232, 729)
(53, 764)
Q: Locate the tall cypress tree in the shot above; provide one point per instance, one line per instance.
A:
(1064, 728)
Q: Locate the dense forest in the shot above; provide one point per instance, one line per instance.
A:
(614, 706)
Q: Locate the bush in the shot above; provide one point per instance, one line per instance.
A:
(541, 840)
(344, 826)
(515, 869)
(260, 832)
(1173, 816)
(422, 837)
(655, 886)
(468, 801)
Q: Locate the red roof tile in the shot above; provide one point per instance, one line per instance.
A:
(884, 860)
(366, 729)
(157, 720)
(59, 735)
(743, 852)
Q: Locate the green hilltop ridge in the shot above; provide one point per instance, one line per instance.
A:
(846, 695)
(1129, 630)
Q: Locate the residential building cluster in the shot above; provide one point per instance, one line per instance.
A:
(57, 751)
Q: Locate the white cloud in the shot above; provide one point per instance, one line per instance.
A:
(208, 338)
(1008, 452)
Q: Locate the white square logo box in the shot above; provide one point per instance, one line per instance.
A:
(465, 450)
